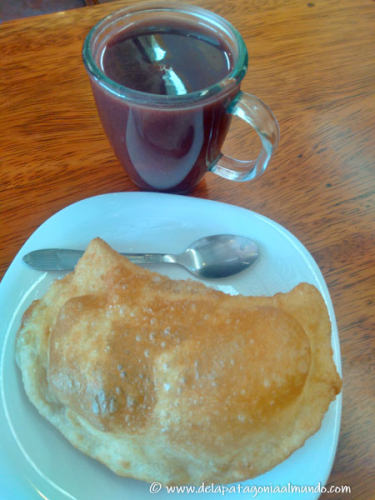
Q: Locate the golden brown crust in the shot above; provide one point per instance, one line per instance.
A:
(170, 381)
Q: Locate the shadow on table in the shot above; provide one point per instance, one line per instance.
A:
(15, 9)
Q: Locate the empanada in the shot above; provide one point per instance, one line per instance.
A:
(174, 382)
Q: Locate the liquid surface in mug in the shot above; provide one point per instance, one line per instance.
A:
(167, 61)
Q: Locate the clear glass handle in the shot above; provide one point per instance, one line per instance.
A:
(257, 114)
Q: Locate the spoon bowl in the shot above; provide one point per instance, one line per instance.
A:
(218, 256)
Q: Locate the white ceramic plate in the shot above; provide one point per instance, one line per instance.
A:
(35, 459)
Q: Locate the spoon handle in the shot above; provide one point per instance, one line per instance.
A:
(57, 259)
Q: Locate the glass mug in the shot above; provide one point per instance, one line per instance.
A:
(166, 131)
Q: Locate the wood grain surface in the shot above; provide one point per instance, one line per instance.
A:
(313, 63)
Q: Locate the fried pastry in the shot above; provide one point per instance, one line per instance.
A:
(171, 381)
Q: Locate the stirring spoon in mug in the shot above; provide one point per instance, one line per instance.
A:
(216, 256)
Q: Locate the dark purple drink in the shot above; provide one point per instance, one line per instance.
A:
(166, 80)
(165, 148)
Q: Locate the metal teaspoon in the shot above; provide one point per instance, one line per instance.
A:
(215, 256)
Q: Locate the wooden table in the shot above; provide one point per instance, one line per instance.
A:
(313, 63)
